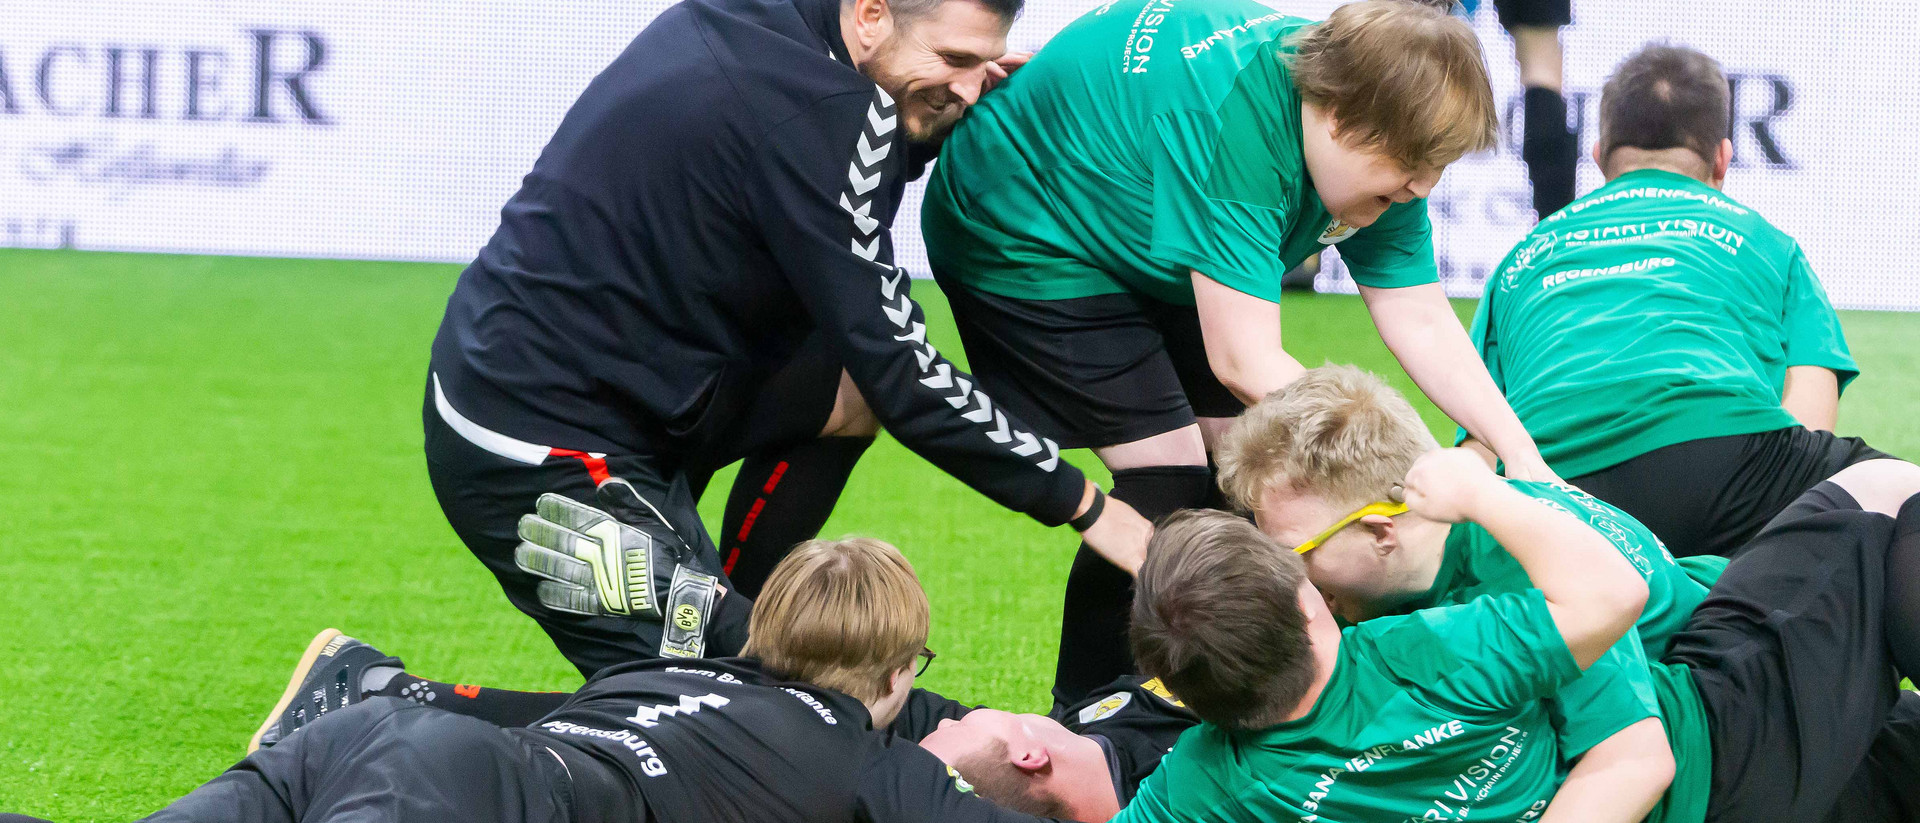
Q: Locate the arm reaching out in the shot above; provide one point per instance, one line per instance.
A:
(1594, 594)
(1420, 328)
(824, 178)
(1242, 336)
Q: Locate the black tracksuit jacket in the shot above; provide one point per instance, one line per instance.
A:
(720, 193)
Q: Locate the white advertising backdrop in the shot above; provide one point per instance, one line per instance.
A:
(346, 128)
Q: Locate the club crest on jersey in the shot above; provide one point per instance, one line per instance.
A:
(1106, 708)
(686, 617)
(1336, 232)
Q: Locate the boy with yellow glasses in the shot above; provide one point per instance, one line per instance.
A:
(1336, 445)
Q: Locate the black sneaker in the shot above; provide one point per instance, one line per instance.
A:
(326, 679)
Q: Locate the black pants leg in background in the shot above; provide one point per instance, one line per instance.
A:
(1092, 372)
(1099, 601)
(1789, 653)
(386, 761)
(484, 495)
(1712, 495)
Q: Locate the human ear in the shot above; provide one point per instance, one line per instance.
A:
(1031, 759)
(872, 22)
(1380, 533)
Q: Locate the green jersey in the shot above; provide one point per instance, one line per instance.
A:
(1654, 311)
(1475, 564)
(1147, 139)
(1435, 715)
(1620, 688)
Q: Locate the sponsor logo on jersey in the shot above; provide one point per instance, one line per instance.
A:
(814, 703)
(650, 763)
(649, 716)
(1159, 689)
(1106, 708)
(1336, 232)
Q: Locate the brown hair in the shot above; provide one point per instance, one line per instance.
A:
(1337, 432)
(1665, 97)
(990, 770)
(845, 614)
(1216, 616)
(1404, 78)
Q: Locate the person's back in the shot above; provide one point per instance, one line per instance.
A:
(1670, 351)
(630, 292)
(726, 740)
(1672, 312)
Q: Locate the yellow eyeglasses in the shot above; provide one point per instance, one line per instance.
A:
(1382, 507)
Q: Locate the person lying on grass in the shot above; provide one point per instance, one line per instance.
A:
(790, 731)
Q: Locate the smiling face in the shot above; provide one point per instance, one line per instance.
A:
(936, 64)
(1357, 183)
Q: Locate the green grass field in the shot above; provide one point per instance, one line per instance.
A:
(205, 460)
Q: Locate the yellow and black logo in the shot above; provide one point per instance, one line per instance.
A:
(1159, 690)
(686, 617)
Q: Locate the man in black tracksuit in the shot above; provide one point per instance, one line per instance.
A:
(679, 741)
(697, 256)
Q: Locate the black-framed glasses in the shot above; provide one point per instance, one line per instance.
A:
(926, 656)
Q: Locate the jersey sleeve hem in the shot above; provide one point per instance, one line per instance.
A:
(1265, 288)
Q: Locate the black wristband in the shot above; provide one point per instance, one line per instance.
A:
(1085, 521)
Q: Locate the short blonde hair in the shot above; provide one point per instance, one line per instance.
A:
(844, 614)
(1400, 77)
(1338, 432)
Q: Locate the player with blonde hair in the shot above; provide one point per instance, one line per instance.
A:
(1318, 464)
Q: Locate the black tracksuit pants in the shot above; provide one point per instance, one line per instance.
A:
(485, 494)
(388, 761)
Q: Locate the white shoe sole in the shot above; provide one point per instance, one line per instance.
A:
(300, 671)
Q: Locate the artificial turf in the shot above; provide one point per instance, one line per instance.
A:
(205, 460)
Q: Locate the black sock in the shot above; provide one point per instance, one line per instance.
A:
(1903, 591)
(1093, 623)
(781, 499)
(507, 709)
(1551, 151)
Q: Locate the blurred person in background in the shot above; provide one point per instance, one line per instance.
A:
(1549, 147)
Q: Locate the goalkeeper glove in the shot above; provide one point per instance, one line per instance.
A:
(620, 560)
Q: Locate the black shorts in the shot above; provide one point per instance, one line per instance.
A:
(484, 493)
(1711, 496)
(1091, 371)
(1790, 656)
(390, 760)
(1536, 13)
